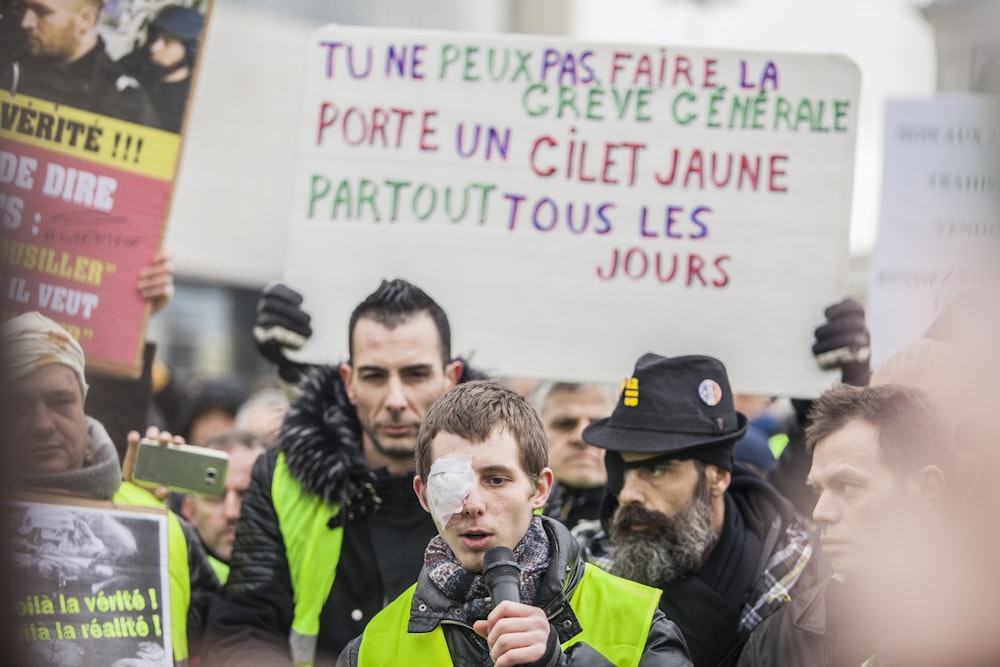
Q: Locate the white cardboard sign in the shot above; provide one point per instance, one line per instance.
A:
(939, 227)
(573, 205)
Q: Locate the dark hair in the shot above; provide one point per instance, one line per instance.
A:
(474, 411)
(911, 433)
(395, 302)
(226, 395)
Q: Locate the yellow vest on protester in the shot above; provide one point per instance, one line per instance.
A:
(614, 614)
(221, 569)
(312, 549)
(177, 564)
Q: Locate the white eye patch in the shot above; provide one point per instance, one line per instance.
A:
(448, 485)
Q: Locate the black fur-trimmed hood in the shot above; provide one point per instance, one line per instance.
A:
(321, 436)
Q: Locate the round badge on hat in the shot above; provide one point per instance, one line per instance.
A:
(710, 392)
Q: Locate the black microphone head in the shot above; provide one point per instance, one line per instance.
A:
(499, 562)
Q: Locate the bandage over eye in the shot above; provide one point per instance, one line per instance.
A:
(448, 485)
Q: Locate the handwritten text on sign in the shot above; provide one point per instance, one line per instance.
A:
(564, 183)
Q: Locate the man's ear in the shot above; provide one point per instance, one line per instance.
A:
(718, 479)
(453, 372)
(930, 484)
(345, 377)
(542, 488)
(187, 509)
(418, 488)
(86, 19)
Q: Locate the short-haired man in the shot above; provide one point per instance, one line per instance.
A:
(725, 547)
(566, 409)
(56, 447)
(64, 61)
(482, 474)
(881, 462)
(215, 518)
(330, 529)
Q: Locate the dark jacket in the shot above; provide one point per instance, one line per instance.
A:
(828, 625)
(764, 557)
(385, 534)
(120, 403)
(169, 97)
(93, 83)
(664, 645)
(793, 635)
(571, 505)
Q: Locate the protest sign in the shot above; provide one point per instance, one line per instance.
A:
(939, 229)
(87, 163)
(573, 205)
(91, 583)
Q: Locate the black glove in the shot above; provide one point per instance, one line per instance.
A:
(281, 323)
(844, 342)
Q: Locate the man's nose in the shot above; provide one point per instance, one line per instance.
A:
(29, 20)
(576, 437)
(396, 397)
(825, 511)
(231, 505)
(631, 490)
(41, 419)
(473, 505)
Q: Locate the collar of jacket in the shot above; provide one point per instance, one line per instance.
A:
(808, 609)
(430, 607)
(321, 436)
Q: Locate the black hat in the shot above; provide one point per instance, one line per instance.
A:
(679, 405)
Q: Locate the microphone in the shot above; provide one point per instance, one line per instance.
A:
(502, 575)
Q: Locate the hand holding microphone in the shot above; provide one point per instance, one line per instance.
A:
(517, 634)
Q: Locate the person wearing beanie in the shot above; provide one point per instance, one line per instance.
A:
(165, 63)
(726, 549)
(54, 447)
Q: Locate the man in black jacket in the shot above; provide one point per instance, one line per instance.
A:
(882, 466)
(726, 549)
(482, 475)
(65, 62)
(330, 529)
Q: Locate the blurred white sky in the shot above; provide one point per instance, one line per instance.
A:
(888, 39)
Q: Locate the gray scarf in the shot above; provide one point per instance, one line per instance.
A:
(100, 476)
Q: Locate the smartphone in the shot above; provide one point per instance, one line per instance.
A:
(181, 468)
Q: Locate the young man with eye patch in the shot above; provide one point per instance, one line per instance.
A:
(482, 474)
(882, 467)
(726, 549)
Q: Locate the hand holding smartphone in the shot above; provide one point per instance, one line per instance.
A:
(181, 468)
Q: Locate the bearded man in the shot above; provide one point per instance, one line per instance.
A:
(726, 549)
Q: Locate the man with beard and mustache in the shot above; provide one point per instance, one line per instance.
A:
(330, 529)
(726, 549)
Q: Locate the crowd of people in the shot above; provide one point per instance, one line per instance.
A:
(643, 526)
